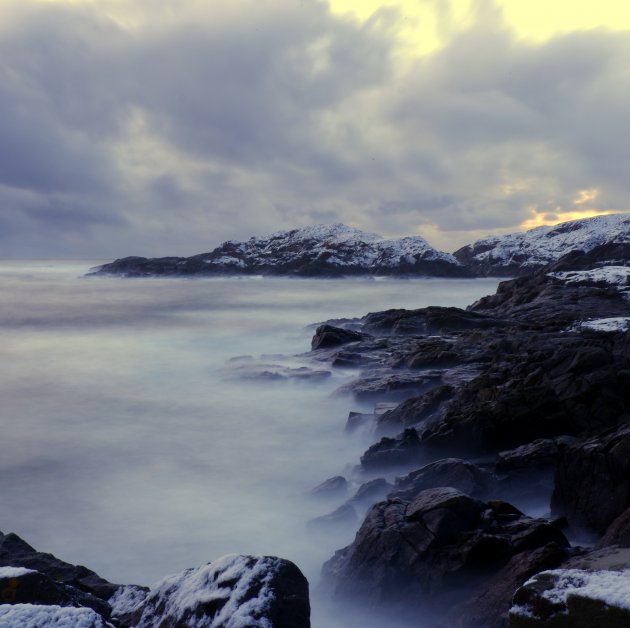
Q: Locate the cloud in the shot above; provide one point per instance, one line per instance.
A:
(169, 131)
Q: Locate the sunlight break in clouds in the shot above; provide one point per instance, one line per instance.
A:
(164, 128)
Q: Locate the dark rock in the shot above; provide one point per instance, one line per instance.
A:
(593, 481)
(333, 487)
(544, 452)
(618, 532)
(371, 492)
(234, 590)
(488, 605)
(412, 412)
(431, 553)
(19, 585)
(460, 474)
(395, 385)
(356, 420)
(327, 336)
(393, 452)
(15, 552)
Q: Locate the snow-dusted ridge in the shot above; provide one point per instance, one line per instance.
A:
(524, 252)
(320, 250)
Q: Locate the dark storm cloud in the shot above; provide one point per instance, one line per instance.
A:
(199, 125)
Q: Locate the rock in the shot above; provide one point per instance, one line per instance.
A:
(387, 384)
(429, 554)
(342, 518)
(331, 488)
(403, 450)
(460, 474)
(26, 586)
(573, 598)
(543, 452)
(357, 420)
(16, 552)
(327, 336)
(429, 320)
(415, 411)
(36, 616)
(593, 481)
(618, 532)
(371, 492)
(489, 604)
(320, 250)
(231, 592)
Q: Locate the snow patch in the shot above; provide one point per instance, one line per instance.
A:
(613, 324)
(610, 587)
(14, 572)
(36, 616)
(616, 276)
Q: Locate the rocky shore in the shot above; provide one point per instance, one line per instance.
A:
(495, 492)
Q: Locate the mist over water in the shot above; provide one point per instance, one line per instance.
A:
(129, 444)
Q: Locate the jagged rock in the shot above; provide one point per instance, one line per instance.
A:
(573, 598)
(429, 553)
(593, 481)
(393, 452)
(333, 487)
(460, 474)
(543, 452)
(16, 552)
(231, 592)
(328, 336)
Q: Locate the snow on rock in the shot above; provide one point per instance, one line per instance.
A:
(614, 324)
(614, 276)
(126, 599)
(573, 597)
(311, 251)
(232, 592)
(523, 252)
(36, 616)
(14, 572)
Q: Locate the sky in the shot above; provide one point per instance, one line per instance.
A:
(164, 127)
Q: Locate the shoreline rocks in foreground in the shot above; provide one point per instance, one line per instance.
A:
(38, 589)
(543, 410)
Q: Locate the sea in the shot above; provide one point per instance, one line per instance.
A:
(138, 436)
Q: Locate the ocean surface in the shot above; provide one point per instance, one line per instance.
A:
(134, 443)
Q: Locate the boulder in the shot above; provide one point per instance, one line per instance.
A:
(331, 488)
(454, 472)
(427, 554)
(327, 336)
(231, 592)
(342, 518)
(618, 532)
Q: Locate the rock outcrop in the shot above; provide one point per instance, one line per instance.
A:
(322, 250)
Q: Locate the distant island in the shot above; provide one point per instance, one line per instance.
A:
(338, 250)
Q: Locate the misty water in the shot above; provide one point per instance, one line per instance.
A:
(131, 445)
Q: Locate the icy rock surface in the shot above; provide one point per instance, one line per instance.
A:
(36, 616)
(573, 597)
(524, 252)
(232, 592)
